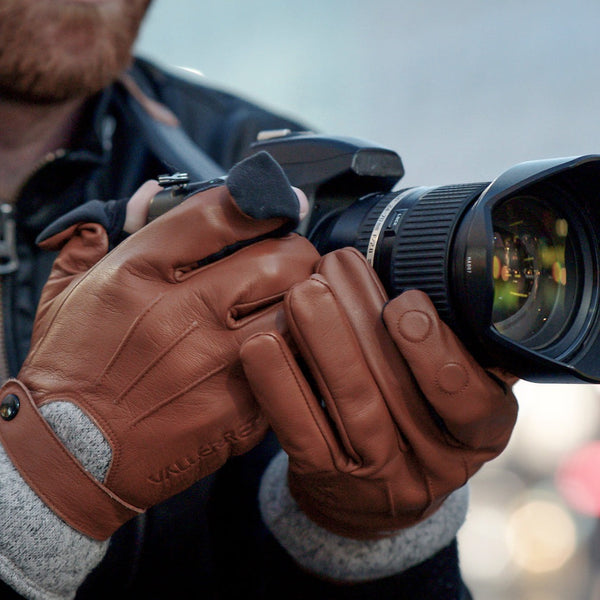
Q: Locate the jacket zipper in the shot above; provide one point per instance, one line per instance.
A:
(9, 263)
(9, 260)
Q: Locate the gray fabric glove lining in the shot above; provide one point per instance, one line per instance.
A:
(334, 557)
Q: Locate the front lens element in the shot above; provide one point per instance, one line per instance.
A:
(534, 271)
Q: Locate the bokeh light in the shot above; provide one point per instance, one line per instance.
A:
(541, 535)
(578, 479)
(486, 528)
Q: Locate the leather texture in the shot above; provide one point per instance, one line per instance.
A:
(382, 418)
(146, 343)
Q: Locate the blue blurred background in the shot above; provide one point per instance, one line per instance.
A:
(461, 90)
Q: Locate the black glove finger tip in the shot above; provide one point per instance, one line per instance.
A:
(262, 190)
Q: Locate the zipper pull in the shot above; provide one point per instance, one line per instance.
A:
(9, 260)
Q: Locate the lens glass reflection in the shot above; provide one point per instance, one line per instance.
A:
(533, 271)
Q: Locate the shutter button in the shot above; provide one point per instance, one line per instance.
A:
(9, 407)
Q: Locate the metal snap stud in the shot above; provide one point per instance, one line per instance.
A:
(9, 407)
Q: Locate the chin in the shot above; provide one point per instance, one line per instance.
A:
(53, 51)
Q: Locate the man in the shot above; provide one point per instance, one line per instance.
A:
(371, 508)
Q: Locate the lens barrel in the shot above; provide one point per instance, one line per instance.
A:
(406, 236)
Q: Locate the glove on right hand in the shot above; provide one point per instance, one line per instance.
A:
(407, 415)
(146, 344)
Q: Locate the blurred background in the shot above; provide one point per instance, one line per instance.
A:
(461, 90)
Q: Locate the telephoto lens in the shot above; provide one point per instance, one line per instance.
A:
(511, 265)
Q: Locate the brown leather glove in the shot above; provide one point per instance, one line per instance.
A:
(407, 415)
(146, 343)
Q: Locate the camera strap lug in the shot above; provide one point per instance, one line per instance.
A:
(174, 179)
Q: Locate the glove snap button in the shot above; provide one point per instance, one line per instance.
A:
(9, 407)
(415, 326)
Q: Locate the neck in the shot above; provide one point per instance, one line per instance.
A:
(29, 133)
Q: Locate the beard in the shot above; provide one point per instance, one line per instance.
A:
(52, 51)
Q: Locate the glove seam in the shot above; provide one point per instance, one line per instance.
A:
(148, 367)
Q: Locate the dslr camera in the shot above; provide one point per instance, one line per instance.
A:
(511, 265)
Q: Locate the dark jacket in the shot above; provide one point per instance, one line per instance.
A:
(208, 542)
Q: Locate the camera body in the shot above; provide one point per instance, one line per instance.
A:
(512, 265)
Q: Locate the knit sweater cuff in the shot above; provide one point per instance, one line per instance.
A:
(334, 557)
(42, 557)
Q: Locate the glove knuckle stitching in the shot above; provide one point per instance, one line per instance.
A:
(153, 409)
(146, 370)
(128, 335)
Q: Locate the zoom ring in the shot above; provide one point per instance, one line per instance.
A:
(421, 253)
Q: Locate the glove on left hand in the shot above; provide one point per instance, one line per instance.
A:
(146, 344)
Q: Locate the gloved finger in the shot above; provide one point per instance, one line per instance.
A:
(110, 215)
(253, 278)
(256, 201)
(476, 409)
(360, 292)
(336, 360)
(362, 296)
(83, 245)
(286, 399)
